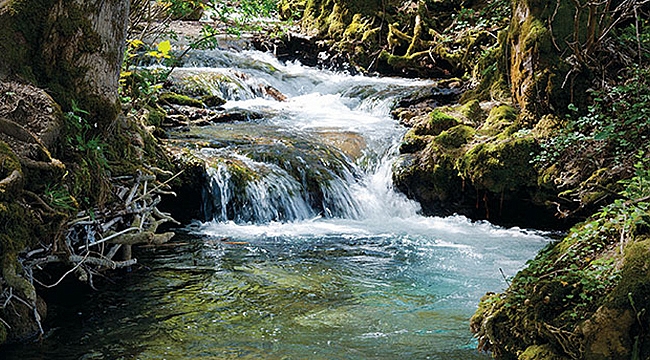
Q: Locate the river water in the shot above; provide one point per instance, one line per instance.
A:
(305, 251)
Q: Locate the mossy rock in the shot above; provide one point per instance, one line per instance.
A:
(455, 137)
(178, 99)
(607, 334)
(500, 119)
(291, 9)
(436, 123)
(501, 165)
(412, 143)
(472, 111)
(537, 70)
(429, 177)
(613, 331)
(548, 126)
(540, 352)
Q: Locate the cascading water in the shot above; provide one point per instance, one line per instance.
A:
(307, 251)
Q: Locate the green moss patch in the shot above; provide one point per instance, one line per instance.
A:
(456, 136)
(500, 119)
(437, 122)
(500, 165)
(178, 99)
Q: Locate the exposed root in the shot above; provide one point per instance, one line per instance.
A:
(92, 241)
(11, 183)
(16, 281)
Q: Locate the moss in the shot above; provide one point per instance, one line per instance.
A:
(429, 176)
(547, 126)
(538, 72)
(8, 164)
(21, 32)
(178, 99)
(499, 120)
(634, 287)
(21, 230)
(240, 173)
(437, 122)
(540, 352)
(500, 165)
(580, 297)
(413, 143)
(455, 137)
(472, 111)
(291, 9)
(156, 115)
(398, 62)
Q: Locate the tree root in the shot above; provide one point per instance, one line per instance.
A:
(94, 238)
(11, 184)
(15, 281)
(91, 241)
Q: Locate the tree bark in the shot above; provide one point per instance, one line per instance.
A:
(72, 48)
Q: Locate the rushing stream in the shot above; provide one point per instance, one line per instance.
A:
(307, 251)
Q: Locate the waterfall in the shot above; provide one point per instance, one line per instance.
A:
(326, 151)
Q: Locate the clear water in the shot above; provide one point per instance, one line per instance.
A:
(376, 281)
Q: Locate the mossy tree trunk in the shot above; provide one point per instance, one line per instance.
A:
(541, 66)
(72, 48)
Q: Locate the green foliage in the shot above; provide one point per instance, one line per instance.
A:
(79, 137)
(244, 15)
(495, 13)
(85, 144)
(58, 197)
(572, 278)
(184, 9)
(616, 124)
(140, 86)
(178, 99)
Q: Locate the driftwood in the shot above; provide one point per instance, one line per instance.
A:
(93, 239)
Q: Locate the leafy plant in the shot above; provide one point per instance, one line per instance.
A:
(59, 198)
(139, 84)
(615, 125)
(79, 137)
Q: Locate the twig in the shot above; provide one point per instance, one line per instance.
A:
(160, 186)
(103, 262)
(504, 277)
(111, 237)
(5, 323)
(66, 273)
(40, 201)
(113, 251)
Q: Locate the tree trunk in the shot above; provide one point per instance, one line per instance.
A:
(72, 48)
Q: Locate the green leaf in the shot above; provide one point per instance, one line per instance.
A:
(603, 135)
